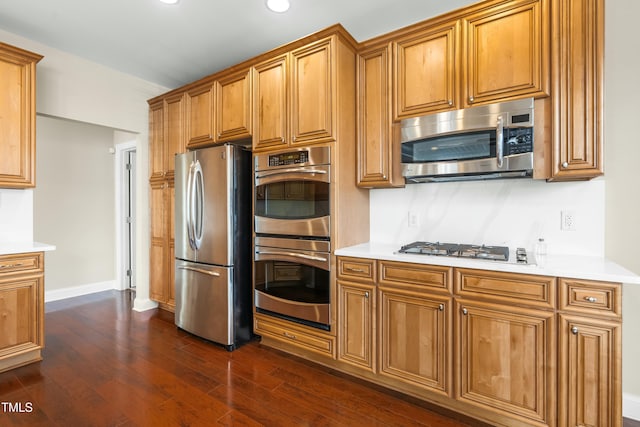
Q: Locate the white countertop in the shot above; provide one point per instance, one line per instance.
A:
(570, 266)
(7, 248)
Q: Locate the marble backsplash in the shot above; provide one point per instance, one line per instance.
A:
(514, 213)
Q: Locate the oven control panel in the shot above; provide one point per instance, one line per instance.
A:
(291, 158)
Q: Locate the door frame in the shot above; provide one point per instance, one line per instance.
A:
(122, 150)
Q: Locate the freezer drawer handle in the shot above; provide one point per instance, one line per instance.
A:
(199, 270)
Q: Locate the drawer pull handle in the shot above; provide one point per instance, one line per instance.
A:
(574, 330)
(465, 311)
(591, 299)
(441, 307)
(355, 270)
(288, 335)
(11, 265)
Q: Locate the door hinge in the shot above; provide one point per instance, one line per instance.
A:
(128, 166)
(129, 273)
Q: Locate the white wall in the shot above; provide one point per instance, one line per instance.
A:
(622, 151)
(74, 203)
(16, 215)
(73, 88)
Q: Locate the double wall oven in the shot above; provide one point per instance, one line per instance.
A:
(292, 235)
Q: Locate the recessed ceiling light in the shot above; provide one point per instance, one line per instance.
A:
(278, 6)
(169, 1)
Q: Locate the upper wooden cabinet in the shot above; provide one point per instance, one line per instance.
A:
(219, 110)
(427, 76)
(17, 117)
(486, 53)
(378, 149)
(505, 52)
(295, 96)
(166, 135)
(577, 96)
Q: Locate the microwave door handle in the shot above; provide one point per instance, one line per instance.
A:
(291, 170)
(500, 141)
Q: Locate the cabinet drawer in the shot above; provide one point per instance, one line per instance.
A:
(21, 263)
(363, 270)
(519, 289)
(585, 296)
(415, 276)
(295, 335)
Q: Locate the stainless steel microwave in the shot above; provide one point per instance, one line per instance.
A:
(484, 142)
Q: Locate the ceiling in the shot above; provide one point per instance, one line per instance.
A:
(175, 45)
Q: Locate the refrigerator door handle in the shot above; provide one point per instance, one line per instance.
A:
(197, 202)
(189, 206)
(199, 270)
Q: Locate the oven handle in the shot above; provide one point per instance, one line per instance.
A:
(291, 170)
(292, 174)
(293, 254)
(500, 141)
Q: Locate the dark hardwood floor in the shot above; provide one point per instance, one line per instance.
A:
(106, 365)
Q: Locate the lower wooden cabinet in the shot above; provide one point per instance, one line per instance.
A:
(505, 360)
(21, 309)
(505, 348)
(415, 339)
(162, 245)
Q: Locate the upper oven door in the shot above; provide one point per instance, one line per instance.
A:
(293, 201)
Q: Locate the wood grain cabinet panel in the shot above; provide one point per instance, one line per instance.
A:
(295, 337)
(426, 71)
(506, 361)
(506, 52)
(174, 141)
(356, 320)
(200, 102)
(359, 269)
(157, 162)
(17, 117)
(590, 372)
(21, 309)
(378, 145)
(417, 277)
(270, 103)
(415, 340)
(578, 82)
(591, 297)
(233, 112)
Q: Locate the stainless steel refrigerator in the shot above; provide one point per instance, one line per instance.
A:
(213, 244)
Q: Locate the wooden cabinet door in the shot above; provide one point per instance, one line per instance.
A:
(505, 360)
(506, 52)
(233, 107)
(174, 140)
(415, 339)
(158, 268)
(171, 245)
(356, 323)
(378, 150)
(22, 314)
(270, 104)
(590, 374)
(313, 102)
(426, 72)
(156, 141)
(17, 117)
(200, 103)
(577, 99)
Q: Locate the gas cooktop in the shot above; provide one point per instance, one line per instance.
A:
(496, 253)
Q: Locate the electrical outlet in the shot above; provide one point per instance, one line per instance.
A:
(567, 221)
(412, 220)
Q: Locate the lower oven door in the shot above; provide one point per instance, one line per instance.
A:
(291, 280)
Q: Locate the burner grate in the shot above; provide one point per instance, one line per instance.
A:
(497, 253)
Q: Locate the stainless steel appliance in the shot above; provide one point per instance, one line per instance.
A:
(292, 192)
(213, 244)
(495, 253)
(484, 142)
(292, 250)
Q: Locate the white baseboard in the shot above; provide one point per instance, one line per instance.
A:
(76, 291)
(140, 304)
(631, 406)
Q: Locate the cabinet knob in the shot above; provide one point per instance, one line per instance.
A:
(451, 103)
(591, 299)
(471, 99)
(565, 164)
(288, 335)
(465, 311)
(574, 330)
(293, 138)
(366, 294)
(441, 307)
(282, 138)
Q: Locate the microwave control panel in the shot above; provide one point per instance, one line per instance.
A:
(518, 141)
(291, 158)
